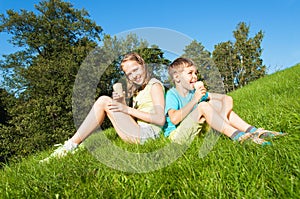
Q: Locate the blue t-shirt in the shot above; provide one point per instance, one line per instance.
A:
(175, 101)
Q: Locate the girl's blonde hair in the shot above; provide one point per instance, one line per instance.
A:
(132, 57)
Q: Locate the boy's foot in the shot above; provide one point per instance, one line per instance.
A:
(254, 138)
(259, 141)
(62, 150)
(262, 133)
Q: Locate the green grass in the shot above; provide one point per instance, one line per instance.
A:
(230, 170)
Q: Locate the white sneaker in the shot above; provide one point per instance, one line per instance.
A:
(62, 150)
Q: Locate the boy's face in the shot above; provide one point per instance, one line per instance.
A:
(188, 77)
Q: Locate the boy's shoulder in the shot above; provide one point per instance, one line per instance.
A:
(172, 92)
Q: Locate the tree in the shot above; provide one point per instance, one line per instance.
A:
(156, 62)
(240, 61)
(247, 53)
(54, 42)
(223, 58)
(57, 42)
(6, 101)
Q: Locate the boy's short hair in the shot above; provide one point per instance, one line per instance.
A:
(178, 65)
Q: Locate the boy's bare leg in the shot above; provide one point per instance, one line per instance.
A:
(238, 122)
(223, 104)
(213, 118)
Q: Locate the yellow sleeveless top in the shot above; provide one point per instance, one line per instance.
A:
(143, 102)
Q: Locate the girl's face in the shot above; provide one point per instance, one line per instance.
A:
(188, 77)
(134, 72)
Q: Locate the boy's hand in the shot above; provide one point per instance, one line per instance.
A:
(200, 91)
(198, 85)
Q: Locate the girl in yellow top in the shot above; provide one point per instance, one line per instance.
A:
(133, 124)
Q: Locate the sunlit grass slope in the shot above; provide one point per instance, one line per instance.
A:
(230, 170)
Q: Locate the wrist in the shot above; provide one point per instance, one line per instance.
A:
(204, 97)
(195, 101)
(129, 110)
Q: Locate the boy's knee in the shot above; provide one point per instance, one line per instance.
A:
(203, 107)
(229, 99)
(203, 104)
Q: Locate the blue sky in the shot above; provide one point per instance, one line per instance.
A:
(209, 22)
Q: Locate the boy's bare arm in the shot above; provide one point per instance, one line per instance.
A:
(176, 116)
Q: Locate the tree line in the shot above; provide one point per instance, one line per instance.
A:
(38, 94)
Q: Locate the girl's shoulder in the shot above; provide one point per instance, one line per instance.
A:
(154, 80)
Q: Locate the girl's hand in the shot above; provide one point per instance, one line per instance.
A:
(116, 106)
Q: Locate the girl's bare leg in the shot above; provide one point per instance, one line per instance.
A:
(124, 124)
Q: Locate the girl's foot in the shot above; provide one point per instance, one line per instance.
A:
(62, 150)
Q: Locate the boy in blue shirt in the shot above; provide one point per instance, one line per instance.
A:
(188, 105)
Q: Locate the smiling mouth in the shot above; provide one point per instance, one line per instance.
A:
(138, 80)
(193, 84)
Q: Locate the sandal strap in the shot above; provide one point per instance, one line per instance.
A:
(254, 138)
(260, 131)
(245, 137)
(260, 141)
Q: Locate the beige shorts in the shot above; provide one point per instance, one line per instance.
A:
(186, 131)
(148, 132)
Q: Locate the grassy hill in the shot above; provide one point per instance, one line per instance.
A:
(229, 170)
